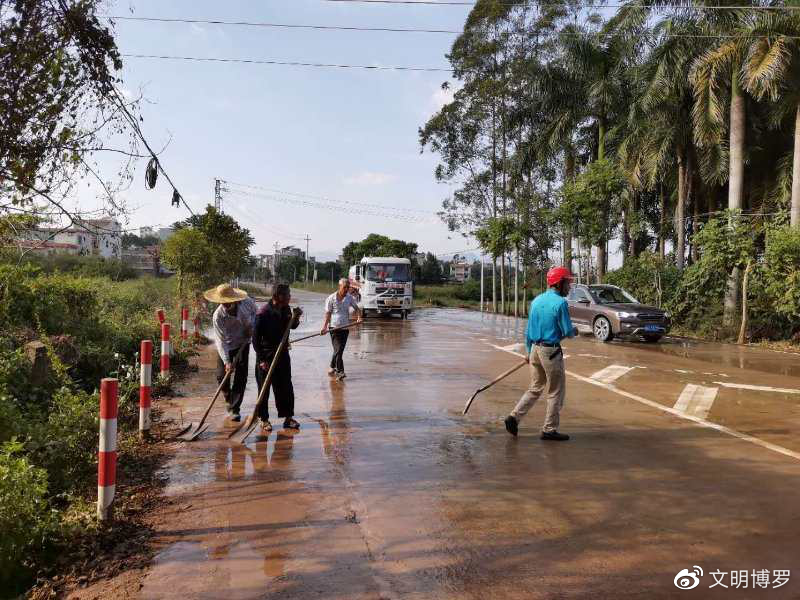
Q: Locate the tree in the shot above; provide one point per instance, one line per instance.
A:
(230, 242)
(593, 201)
(58, 98)
(131, 240)
(377, 245)
(431, 270)
(189, 253)
(330, 270)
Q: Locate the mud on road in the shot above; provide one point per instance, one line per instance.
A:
(682, 454)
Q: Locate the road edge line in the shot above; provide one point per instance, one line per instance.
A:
(667, 409)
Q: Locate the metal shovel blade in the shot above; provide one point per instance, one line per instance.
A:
(195, 431)
(246, 431)
(183, 431)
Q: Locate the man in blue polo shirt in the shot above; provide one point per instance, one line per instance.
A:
(548, 324)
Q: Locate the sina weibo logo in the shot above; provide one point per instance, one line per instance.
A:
(688, 580)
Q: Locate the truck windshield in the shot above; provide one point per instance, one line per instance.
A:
(381, 273)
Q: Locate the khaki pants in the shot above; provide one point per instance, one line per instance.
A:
(547, 377)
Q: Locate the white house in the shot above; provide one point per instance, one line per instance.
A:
(86, 237)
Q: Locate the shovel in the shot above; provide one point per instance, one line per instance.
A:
(245, 429)
(194, 430)
(492, 382)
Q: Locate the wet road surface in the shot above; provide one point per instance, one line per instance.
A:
(682, 454)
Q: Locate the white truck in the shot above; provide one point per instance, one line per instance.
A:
(383, 285)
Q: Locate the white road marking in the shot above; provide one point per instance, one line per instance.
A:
(697, 420)
(757, 388)
(682, 371)
(593, 355)
(611, 373)
(696, 400)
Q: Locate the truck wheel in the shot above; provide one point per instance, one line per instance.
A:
(404, 314)
(602, 329)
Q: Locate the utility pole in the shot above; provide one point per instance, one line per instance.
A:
(275, 264)
(308, 239)
(218, 195)
(481, 282)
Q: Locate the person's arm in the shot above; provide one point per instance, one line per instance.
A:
(258, 339)
(296, 318)
(222, 348)
(565, 323)
(356, 310)
(327, 320)
(528, 339)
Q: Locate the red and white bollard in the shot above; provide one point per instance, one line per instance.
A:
(197, 329)
(145, 382)
(165, 349)
(107, 456)
(184, 323)
(161, 315)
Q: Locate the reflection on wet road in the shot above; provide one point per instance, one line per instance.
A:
(388, 492)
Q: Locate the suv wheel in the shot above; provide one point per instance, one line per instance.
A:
(602, 329)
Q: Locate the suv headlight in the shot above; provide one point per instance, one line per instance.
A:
(626, 315)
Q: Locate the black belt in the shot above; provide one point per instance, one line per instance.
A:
(547, 345)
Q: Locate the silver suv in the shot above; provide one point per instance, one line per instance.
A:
(608, 311)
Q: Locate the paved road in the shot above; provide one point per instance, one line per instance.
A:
(388, 492)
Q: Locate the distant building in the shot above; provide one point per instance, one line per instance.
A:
(460, 271)
(144, 260)
(86, 237)
(164, 233)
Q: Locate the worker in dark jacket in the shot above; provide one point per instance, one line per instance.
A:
(271, 322)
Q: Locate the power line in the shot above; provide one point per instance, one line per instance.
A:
(601, 5)
(540, 35)
(326, 199)
(283, 25)
(385, 213)
(288, 63)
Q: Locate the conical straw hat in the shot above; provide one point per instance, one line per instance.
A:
(224, 293)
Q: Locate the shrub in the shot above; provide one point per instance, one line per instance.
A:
(651, 279)
(25, 517)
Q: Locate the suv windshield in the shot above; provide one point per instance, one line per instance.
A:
(381, 273)
(606, 294)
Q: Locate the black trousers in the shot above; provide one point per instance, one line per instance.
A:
(339, 341)
(281, 386)
(234, 392)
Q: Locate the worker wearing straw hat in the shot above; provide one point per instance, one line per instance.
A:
(233, 327)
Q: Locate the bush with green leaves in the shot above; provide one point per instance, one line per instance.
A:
(26, 519)
(651, 279)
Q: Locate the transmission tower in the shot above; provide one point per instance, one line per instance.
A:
(218, 189)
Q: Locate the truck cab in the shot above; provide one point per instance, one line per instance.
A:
(383, 285)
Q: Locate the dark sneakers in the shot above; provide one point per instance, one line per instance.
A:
(512, 425)
(554, 436)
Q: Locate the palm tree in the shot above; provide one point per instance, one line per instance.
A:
(715, 74)
(772, 70)
(659, 136)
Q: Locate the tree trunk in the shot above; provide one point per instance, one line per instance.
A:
(680, 212)
(795, 206)
(516, 286)
(601, 153)
(626, 235)
(662, 207)
(735, 187)
(503, 283)
(743, 328)
(494, 284)
(569, 174)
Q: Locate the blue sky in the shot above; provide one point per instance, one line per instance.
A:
(344, 134)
